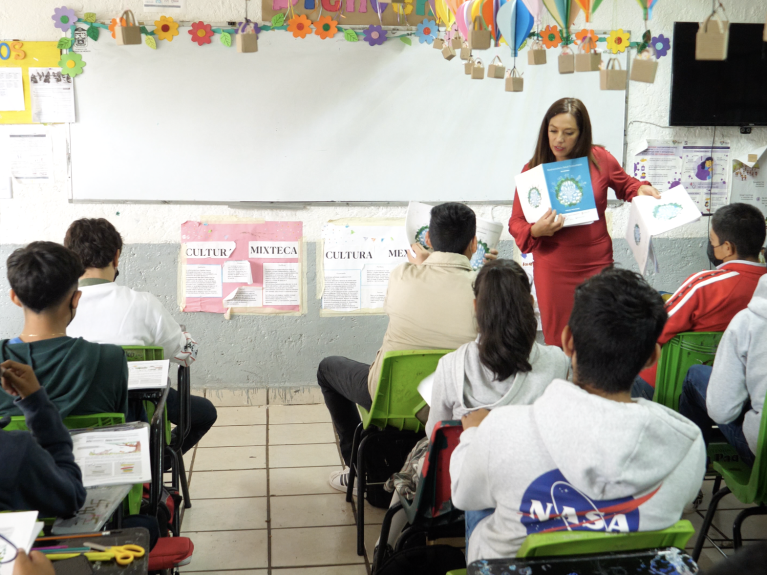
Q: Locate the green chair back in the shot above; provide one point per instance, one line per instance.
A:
(678, 355)
(397, 400)
(585, 542)
(143, 353)
(73, 421)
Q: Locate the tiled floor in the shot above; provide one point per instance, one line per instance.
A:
(261, 502)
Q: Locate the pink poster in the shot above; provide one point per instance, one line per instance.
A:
(249, 267)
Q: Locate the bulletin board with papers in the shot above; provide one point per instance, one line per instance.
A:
(241, 267)
(749, 179)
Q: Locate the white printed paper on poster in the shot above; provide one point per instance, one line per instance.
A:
(203, 280)
(206, 250)
(238, 271)
(659, 162)
(272, 250)
(11, 90)
(342, 290)
(374, 283)
(281, 284)
(113, 456)
(52, 94)
(31, 153)
(749, 179)
(245, 296)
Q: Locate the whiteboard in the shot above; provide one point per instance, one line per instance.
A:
(312, 121)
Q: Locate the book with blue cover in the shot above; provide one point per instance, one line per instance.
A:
(562, 186)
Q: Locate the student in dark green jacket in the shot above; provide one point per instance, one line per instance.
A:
(79, 377)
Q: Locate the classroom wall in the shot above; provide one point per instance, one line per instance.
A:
(280, 351)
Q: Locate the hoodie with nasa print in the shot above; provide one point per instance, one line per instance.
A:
(575, 461)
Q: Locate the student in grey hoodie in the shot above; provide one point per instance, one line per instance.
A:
(584, 456)
(731, 394)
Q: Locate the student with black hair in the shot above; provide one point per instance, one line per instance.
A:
(79, 377)
(430, 306)
(584, 456)
(708, 300)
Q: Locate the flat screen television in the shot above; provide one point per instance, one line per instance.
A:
(729, 93)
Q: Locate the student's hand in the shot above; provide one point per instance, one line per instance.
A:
(491, 255)
(18, 379)
(33, 564)
(549, 224)
(474, 418)
(648, 191)
(421, 253)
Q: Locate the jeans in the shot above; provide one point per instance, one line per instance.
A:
(472, 519)
(202, 414)
(692, 404)
(344, 384)
(640, 388)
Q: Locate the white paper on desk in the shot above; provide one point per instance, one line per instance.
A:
(53, 95)
(21, 529)
(30, 151)
(114, 455)
(100, 503)
(238, 272)
(245, 296)
(148, 374)
(11, 90)
(281, 284)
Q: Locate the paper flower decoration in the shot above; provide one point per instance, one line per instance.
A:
(587, 39)
(63, 18)
(618, 41)
(661, 45)
(248, 25)
(300, 26)
(375, 35)
(113, 25)
(201, 33)
(325, 27)
(551, 37)
(71, 64)
(166, 28)
(426, 31)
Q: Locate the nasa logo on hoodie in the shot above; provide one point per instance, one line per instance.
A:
(551, 503)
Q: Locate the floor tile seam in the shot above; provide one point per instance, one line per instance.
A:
(334, 493)
(273, 445)
(301, 467)
(268, 497)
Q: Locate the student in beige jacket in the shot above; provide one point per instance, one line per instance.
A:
(430, 306)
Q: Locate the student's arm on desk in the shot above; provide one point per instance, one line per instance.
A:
(469, 471)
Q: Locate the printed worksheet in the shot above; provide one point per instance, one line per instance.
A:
(749, 179)
(53, 95)
(100, 503)
(11, 90)
(148, 374)
(113, 455)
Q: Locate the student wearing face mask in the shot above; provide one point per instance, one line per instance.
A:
(79, 377)
(708, 300)
(564, 258)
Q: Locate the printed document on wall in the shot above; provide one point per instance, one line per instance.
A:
(749, 179)
(11, 90)
(114, 455)
(53, 95)
(30, 152)
(172, 7)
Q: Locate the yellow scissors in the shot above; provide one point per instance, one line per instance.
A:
(122, 554)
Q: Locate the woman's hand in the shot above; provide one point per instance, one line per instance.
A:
(474, 418)
(549, 224)
(648, 191)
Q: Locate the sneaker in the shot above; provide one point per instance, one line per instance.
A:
(693, 506)
(340, 480)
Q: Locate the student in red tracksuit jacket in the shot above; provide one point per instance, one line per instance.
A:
(708, 300)
(564, 258)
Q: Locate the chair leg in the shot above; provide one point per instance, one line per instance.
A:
(183, 480)
(707, 522)
(353, 462)
(384, 538)
(361, 497)
(717, 483)
(737, 538)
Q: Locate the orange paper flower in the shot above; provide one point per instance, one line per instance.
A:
(300, 26)
(201, 33)
(551, 37)
(166, 28)
(325, 27)
(618, 41)
(587, 39)
(113, 25)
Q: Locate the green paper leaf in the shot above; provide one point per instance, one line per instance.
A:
(278, 20)
(151, 42)
(350, 35)
(64, 44)
(226, 39)
(406, 40)
(145, 31)
(93, 33)
(90, 17)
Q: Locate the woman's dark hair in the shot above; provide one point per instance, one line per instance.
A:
(452, 226)
(505, 318)
(583, 147)
(616, 321)
(743, 226)
(96, 241)
(43, 274)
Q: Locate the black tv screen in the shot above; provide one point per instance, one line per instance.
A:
(729, 93)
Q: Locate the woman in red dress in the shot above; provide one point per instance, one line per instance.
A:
(564, 257)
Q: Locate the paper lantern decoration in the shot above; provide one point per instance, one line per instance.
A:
(563, 12)
(71, 64)
(64, 18)
(463, 18)
(489, 10)
(647, 6)
(535, 7)
(165, 28)
(515, 23)
(375, 35)
(300, 26)
(661, 45)
(426, 31)
(551, 37)
(325, 27)
(201, 33)
(618, 41)
(589, 7)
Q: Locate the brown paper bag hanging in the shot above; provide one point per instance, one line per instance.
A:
(587, 59)
(130, 33)
(448, 52)
(644, 67)
(479, 34)
(456, 42)
(612, 76)
(566, 61)
(465, 51)
(514, 81)
(247, 39)
(438, 44)
(496, 69)
(468, 66)
(536, 55)
(478, 70)
(712, 38)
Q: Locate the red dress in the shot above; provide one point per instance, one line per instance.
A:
(563, 261)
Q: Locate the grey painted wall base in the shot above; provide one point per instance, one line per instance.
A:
(278, 351)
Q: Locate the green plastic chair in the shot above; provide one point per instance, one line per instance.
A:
(747, 483)
(678, 355)
(18, 423)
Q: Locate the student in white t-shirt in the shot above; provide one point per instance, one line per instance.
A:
(111, 313)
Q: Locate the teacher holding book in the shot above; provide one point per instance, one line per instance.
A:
(563, 257)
